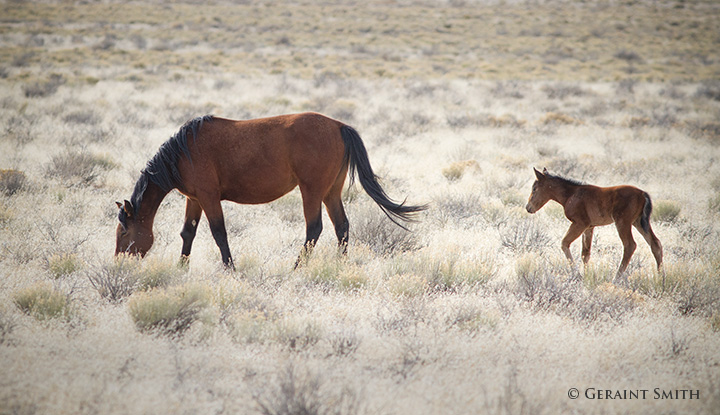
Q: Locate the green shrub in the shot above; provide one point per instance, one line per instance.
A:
(169, 311)
(43, 302)
(61, 265)
(666, 211)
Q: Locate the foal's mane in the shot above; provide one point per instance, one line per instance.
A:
(162, 168)
(564, 180)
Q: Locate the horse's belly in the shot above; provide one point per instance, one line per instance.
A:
(257, 195)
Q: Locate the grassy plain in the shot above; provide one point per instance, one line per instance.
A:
(456, 101)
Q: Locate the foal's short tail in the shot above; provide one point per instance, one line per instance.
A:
(647, 211)
(358, 161)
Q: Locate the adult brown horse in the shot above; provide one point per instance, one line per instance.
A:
(251, 162)
(589, 206)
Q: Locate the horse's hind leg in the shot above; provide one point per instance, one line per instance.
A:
(193, 212)
(336, 211)
(625, 231)
(653, 241)
(213, 212)
(312, 208)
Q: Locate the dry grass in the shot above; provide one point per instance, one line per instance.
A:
(473, 311)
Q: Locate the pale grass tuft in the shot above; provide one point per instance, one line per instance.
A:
(296, 334)
(456, 170)
(557, 118)
(248, 326)
(332, 271)
(8, 324)
(407, 285)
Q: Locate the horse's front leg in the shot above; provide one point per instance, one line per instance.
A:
(576, 229)
(193, 212)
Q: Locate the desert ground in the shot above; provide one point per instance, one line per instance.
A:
(473, 311)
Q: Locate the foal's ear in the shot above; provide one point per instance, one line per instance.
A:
(539, 175)
(128, 208)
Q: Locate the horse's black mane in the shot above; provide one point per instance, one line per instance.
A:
(565, 179)
(162, 168)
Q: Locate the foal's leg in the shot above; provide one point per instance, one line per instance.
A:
(576, 229)
(587, 244)
(214, 214)
(624, 229)
(571, 235)
(653, 241)
(312, 208)
(193, 212)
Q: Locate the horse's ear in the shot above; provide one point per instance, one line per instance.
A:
(119, 205)
(545, 170)
(539, 175)
(128, 208)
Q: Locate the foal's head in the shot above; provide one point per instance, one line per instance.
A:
(540, 191)
(132, 235)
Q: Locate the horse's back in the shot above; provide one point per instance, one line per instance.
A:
(259, 160)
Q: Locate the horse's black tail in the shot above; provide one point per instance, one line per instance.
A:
(357, 158)
(647, 211)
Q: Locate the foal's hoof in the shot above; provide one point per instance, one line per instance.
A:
(184, 261)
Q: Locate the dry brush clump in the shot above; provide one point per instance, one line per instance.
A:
(297, 391)
(561, 290)
(120, 277)
(370, 227)
(12, 181)
(78, 167)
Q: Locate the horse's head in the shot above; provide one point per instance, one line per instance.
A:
(132, 235)
(540, 192)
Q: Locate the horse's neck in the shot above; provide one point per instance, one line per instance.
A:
(151, 199)
(562, 192)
